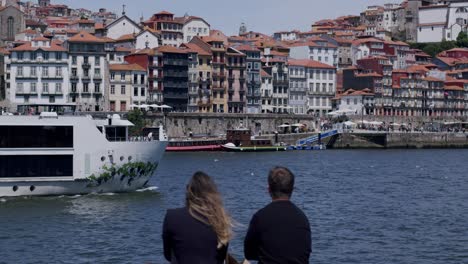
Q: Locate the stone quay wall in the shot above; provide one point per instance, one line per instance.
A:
(215, 124)
(402, 140)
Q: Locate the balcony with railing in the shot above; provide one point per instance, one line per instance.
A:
(179, 96)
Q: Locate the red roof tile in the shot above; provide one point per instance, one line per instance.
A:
(309, 64)
(84, 36)
(126, 67)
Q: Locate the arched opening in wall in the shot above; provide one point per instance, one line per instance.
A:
(10, 28)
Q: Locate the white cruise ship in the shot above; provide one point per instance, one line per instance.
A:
(66, 155)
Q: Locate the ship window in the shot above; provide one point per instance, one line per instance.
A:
(116, 133)
(36, 136)
(25, 166)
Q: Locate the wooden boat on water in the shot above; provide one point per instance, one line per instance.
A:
(189, 145)
(241, 140)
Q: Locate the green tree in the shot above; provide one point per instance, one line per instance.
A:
(432, 49)
(447, 45)
(462, 40)
(138, 120)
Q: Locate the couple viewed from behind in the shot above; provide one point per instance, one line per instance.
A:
(199, 233)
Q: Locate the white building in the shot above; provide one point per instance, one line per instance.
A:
(437, 22)
(194, 26)
(39, 76)
(127, 85)
(319, 50)
(27, 35)
(122, 26)
(432, 21)
(362, 48)
(457, 19)
(298, 87)
(266, 91)
(147, 39)
(357, 102)
(286, 35)
(315, 86)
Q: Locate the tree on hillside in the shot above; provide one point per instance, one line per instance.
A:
(138, 120)
(462, 40)
(447, 45)
(432, 49)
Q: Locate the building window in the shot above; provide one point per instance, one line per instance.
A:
(112, 90)
(45, 71)
(85, 87)
(10, 28)
(20, 55)
(73, 87)
(74, 60)
(58, 88)
(20, 87)
(45, 87)
(58, 71)
(97, 61)
(97, 72)
(33, 87)
(19, 71)
(135, 91)
(52, 99)
(97, 87)
(112, 76)
(58, 55)
(122, 89)
(122, 76)
(45, 55)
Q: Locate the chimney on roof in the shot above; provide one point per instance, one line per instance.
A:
(123, 10)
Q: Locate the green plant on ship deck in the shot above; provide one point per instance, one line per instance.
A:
(131, 170)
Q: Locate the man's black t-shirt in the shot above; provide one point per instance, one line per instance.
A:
(279, 233)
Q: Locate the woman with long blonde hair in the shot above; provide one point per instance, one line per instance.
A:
(200, 231)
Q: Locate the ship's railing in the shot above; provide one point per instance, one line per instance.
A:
(141, 139)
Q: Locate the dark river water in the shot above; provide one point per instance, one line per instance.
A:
(393, 206)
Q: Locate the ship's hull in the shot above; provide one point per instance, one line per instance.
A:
(194, 148)
(72, 187)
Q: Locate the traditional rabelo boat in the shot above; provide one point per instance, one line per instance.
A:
(241, 140)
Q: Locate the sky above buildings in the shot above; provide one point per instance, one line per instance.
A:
(265, 16)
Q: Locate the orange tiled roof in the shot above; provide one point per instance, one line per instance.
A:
(453, 88)
(195, 48)
(28, 47)
(263, 73)
(170, 49)
(126, 37)
(84, 36)
(309, 64)
(126, 67)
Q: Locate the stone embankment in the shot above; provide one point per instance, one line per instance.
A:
(215, 124)
(401, 140)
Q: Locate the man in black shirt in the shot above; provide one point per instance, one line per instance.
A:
(280, 232)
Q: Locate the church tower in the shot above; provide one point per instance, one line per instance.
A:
(242, 29)
(44, 3)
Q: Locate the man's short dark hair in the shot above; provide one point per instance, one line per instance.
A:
(281, 182)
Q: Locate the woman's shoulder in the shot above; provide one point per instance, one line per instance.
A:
(177, 212)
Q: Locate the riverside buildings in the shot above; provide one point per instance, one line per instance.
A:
(193, 68)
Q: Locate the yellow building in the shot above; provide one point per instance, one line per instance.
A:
(127, 85)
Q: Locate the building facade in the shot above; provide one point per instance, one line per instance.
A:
(38, 77)
(127, 86)
(87, 67)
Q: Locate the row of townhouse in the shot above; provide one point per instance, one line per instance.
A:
(419, 90)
